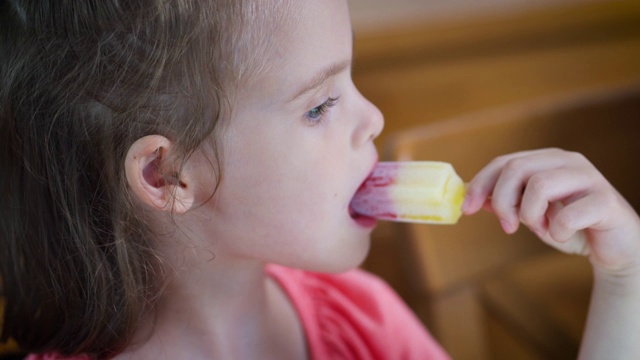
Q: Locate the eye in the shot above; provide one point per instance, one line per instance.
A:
(314, 116)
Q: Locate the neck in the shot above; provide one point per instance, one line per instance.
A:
(219, 308)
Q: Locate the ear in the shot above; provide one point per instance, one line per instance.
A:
(152, 178)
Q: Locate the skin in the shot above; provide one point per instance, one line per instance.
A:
(292, 159)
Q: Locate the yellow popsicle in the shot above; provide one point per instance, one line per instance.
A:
(412, 191)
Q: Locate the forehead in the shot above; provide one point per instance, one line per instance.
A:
(302, 38)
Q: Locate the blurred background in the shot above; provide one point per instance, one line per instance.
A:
(463, 81)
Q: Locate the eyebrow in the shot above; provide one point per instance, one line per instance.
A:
(321, 77)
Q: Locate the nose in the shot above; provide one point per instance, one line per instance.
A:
(370, 122)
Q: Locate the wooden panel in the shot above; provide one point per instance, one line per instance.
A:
(543, 301)
(537, 293)
(603, 125)
(505, 346)
(487, 35)
(436, 71)
(446, 312)
(471, 71)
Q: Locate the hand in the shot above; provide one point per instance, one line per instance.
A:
(566, 201)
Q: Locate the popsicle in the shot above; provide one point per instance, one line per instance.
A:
(412, 191)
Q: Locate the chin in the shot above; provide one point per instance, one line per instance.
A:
(347, 259)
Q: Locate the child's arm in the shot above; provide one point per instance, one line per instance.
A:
(563, 198)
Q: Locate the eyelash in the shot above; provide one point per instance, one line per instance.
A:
(316, 115)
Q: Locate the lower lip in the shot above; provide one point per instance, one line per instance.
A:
(366, 222)
(363, 221)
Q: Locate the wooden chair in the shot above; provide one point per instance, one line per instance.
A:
(484, 294)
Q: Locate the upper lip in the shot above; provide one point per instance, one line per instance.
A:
(373, 166)
(370, 171)
(368, 174)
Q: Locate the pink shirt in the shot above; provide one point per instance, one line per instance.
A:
(353, 315)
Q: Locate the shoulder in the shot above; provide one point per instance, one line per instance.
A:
(355, 315)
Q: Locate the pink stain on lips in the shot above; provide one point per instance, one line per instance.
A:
(372, 198)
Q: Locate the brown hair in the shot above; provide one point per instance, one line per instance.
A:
(80, 82)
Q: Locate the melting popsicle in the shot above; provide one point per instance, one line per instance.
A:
(412, 191)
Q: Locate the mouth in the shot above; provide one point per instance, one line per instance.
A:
(360, 219)
(354, 215)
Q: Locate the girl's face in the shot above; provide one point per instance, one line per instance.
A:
(298, 146)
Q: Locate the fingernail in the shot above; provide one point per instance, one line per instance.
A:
(465, 204)
(506, 226)
(539, 234)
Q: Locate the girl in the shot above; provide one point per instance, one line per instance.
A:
(159, 158)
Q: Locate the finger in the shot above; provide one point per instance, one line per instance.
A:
(481, 186)
(487, 205)
(562, 184)
(513, 180)
(577, 243)
(581, 214)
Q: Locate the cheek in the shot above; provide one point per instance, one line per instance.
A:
(296, 194)
(280, 175)
(269, 183)
(282, 202)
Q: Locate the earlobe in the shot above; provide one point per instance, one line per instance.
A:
(153, 179)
